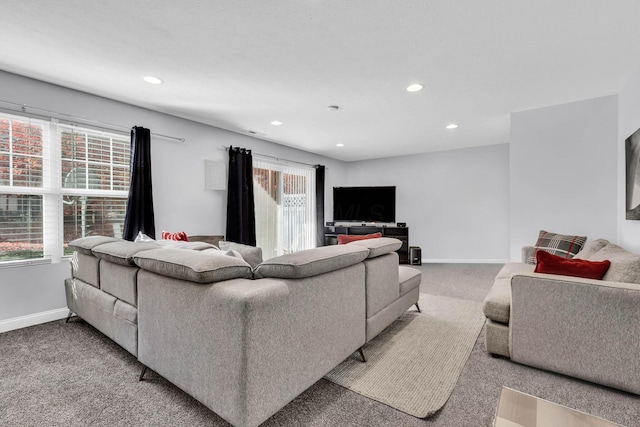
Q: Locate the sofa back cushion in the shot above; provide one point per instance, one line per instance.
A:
(84, 245)
(591, 248)
(311, 262)
(625, 266)
(181, 244)
(251, 254)
(121, 251)
(379, 246)
(207, 266)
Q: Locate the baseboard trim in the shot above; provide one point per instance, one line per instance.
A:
(33, 319)
(465, 261)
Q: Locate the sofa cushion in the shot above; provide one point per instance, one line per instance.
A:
(195, 266)
(554, 264)
(514, 267)
(251, 254)
(348, 238)
(120, 281)
(591, 248)
(122, 251)
(497, 303)
(311, 262)
(625, 266)
(85, 244)
(86, 268)
(409, 278)
(558, 244)
(379, 246)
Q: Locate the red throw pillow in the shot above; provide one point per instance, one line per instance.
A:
(180, 235)
(346, 238)
(554, 264)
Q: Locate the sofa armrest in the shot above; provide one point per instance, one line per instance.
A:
(583, 328)
(528, 252)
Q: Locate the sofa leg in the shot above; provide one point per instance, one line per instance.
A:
(69, 316)
(144, 370)
(362, 355)
(418, 308)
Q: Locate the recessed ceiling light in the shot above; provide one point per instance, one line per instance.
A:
(152, 79)
(414, 87)
(339, 145)
(276, 123)
(452, 126)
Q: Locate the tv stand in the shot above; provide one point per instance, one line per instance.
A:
(400, 233)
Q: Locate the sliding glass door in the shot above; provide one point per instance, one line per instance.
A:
(284, 196)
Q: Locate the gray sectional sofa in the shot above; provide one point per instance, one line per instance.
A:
(243, 341)
(584, 328)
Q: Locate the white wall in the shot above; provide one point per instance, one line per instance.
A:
(563, 171)
(455, 203)
(477, 204)
(628, 123)
(180, 201)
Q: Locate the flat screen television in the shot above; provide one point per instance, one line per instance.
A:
(364, 204)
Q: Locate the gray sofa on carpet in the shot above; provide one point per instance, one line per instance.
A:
(243, 341)
(583, 328)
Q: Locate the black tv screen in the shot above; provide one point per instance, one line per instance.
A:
(364, 204)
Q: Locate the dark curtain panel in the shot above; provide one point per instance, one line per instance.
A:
(320, 169)
(139, 215)
(241, 213)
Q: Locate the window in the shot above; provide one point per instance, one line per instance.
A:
(284, 197)
(58, 182)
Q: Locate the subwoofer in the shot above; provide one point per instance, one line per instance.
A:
(415, 255)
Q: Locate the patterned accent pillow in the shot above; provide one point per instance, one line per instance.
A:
(180, 235)
(558, 244)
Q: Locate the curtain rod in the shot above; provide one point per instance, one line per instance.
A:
(277, 158)
(52, 115)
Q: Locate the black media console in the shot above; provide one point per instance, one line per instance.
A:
(400, 233)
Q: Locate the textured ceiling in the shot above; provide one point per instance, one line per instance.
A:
(240, 64)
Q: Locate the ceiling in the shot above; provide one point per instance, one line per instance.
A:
(241, 64)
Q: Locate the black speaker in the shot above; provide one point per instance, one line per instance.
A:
(415, 255)
(402, 224)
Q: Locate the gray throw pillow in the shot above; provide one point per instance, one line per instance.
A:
(591, 248)
(251, 254)
(625, 266)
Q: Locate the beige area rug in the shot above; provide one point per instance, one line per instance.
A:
(414, 364)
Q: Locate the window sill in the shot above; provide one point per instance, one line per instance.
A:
(24, 263)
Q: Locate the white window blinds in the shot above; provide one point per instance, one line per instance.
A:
(58, 182)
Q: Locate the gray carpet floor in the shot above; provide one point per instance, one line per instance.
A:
(58, 374)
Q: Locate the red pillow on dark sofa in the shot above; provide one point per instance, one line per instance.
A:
(347, 238)
(554, 264)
